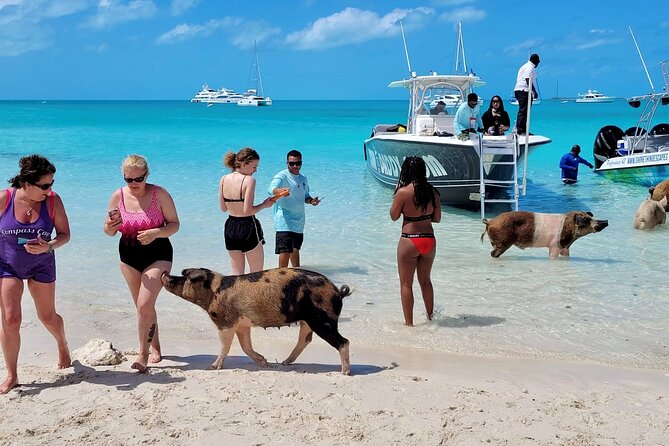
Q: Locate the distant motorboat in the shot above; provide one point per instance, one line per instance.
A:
(514, 101)
(255, 97)
(593, 96)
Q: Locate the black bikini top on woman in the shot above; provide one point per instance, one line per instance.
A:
(236, 200)
(419, 218)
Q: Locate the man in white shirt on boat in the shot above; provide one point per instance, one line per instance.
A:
(524, 81)
(468, 117)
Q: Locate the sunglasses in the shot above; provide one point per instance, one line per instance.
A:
(135, 180)
(294, 163)
(46, 186)
(495, 101)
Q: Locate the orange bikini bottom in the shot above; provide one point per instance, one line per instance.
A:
(424, 243)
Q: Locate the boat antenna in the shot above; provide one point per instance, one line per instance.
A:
(652, 87)
(406, 51)
(460, 49)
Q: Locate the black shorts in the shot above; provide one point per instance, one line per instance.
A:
(243, 233)
(140, 257)
(286, 241)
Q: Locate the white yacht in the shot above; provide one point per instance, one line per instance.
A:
(210, 96)
(593, 96)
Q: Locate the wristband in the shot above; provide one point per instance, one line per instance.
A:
(50, 250)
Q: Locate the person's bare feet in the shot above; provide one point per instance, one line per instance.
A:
(141, 363)
(8, 385)
(64, 359)
(154, 356)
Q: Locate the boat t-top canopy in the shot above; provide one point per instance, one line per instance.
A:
(462, 83)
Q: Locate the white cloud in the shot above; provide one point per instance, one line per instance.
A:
(353, 25)
(115, 12)
(524, 47)
(592, 39)
(178, 7)
(96, 48)
(467, 14)
(243, 32)
(24, 25)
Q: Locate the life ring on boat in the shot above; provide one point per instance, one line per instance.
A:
(635, 131)
(605, 144)
(660, 129)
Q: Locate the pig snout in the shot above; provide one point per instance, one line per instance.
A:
(601, 224)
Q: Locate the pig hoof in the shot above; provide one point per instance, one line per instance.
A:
(346, 372)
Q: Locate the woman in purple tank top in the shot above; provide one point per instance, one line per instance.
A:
(145, 216)
(29, 213)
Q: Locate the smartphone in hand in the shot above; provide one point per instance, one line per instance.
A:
(115, 214)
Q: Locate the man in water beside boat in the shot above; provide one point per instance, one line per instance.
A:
(289, 214)
(524, 81)
(569, 165)
(467, 118)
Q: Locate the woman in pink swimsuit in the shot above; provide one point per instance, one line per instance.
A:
(145, 216)
(29, 213)
(418, 201)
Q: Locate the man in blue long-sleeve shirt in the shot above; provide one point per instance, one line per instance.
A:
(569, 165)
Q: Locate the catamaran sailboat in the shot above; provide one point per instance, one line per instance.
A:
(255, 97)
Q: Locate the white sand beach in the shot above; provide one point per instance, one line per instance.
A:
(403, 397)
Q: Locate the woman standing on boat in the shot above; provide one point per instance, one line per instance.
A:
(418, 201)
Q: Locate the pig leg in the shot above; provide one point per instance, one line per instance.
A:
(564, 252)
(244, 336)
(226, 335)
(554, 252)
(303, 339)
(331, 335)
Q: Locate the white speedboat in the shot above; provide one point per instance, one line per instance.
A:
(255, 97)
(454, 163)
(593, 96)
(639, 155)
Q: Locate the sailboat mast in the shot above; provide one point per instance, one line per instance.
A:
(260, 90)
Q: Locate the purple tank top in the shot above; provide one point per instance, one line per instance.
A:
(13, 234)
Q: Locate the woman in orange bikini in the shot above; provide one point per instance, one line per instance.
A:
(418, 201)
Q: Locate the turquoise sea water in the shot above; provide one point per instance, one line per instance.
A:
(608, 303)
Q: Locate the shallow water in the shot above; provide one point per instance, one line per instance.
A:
(607, 303)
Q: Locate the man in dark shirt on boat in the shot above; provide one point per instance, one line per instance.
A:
(569, 165)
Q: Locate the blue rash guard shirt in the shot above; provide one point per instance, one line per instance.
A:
(568, 162)
(289, 211)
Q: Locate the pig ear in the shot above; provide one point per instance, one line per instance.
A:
(185, 272)
(663, 201)
(582, 221)
(590, 214)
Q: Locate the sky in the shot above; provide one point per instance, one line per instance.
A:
(321, 49)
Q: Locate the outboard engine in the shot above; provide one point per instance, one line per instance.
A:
(660, 129)
(606, 144)
(635, 131)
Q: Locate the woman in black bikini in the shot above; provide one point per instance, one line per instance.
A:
(243, 233)
(418, 201)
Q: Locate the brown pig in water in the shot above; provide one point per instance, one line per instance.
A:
(525, 229)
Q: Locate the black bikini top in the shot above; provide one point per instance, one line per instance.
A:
(235, 200)
(419, 218)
